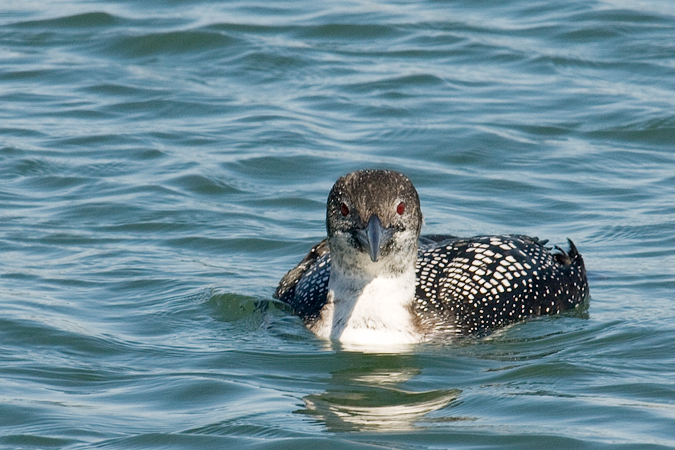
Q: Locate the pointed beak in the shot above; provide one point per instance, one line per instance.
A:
(374, 237)
(374, 233)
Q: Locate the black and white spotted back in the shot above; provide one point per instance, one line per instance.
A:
(474, 285)
(464, 285)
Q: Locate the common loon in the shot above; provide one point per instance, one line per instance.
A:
(375, 280)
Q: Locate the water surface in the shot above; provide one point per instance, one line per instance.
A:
(162, 164)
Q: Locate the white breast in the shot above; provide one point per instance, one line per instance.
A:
(370, 311)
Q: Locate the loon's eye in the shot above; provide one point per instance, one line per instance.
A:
(344, 209)
(400, 209)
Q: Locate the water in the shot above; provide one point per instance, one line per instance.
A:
(162, 164)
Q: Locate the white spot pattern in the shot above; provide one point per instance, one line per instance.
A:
(467, 286)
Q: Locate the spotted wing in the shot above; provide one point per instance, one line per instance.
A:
(305, 287)
(474, 285)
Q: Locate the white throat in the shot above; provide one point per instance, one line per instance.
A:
(371, 307)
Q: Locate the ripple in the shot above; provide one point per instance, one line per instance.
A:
(162, 167)
(202, 185)
(185, 42)
(380, 411)
(348, 32)
(86, 20)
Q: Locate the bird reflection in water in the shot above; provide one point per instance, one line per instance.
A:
(369, 397)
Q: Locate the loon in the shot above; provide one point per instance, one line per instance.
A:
(375, 280)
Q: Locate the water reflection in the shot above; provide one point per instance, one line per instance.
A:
(368, 397)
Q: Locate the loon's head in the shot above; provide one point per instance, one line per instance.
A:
(373, 221)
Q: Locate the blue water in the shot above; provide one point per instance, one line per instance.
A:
(163, 164)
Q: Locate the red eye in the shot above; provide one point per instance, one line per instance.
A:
(400, 209)
(344, 209)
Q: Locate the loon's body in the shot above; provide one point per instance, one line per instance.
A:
(375, 280)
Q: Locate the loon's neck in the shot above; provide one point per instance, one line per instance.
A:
(371, 306)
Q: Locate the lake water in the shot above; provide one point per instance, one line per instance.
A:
(163, 164)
